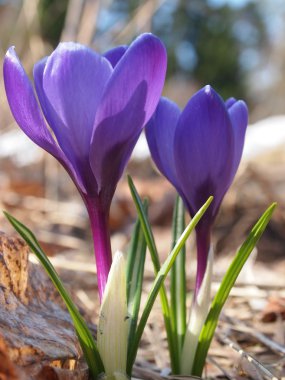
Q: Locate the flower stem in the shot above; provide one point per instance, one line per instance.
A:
(197, 317)
(203, 237)
(99, 221)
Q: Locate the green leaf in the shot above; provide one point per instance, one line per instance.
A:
(158, 282)
(168, 321)
(86, 340)
(178, 277)
(135, 270)
(227, 283)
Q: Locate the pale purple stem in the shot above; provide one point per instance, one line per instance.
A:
(99, 221)
(203, 237)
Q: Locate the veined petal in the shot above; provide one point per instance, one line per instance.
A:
(114, 55)
(24, 106)
(128, 102)
(51, 116)
(204, 150)
(80, 164)
(114, 142)
(239, 117)
(144, 61)
(160, 132)
(74, 78)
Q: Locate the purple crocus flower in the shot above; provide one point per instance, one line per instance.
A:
(96, 107)
(199, 150)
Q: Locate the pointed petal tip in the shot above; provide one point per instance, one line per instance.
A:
(72, 47)
(166, 102)
(147, 35)
(11, 50)
(209, 91)
(239, 106)
(230, 102)
(242, 103)
(11, 54)
(149, 38)
(207, 94)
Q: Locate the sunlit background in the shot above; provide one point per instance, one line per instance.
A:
(237, 46)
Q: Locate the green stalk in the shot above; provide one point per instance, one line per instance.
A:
(135, 270)
(169, 327)
(178, 277)
(158, 282)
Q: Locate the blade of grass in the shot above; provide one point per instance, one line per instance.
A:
(158, 282)
(86, 340)
(227, 283)
(168, 321)
(135, 271)
(178, 277)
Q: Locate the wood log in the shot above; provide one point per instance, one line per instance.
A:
(37, 338)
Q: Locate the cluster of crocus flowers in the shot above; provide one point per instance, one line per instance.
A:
(199, 151)
(88, 111)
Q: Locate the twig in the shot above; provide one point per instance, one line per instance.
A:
(224, 372)
(226, 340)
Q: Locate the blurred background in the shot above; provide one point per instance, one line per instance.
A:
(238, 47)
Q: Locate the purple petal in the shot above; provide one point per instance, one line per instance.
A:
(51, 116)
(204, 150)
(73, 81)
(160, 132)
(239, 118)
(114, 141)
(129, 100)
(144, 61)
(114, 55)
(229, 102)
(80, 164)
(24, 106)
(26, 111)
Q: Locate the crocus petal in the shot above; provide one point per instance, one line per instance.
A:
(128, 102)
(239, 117)
(51, 116)
(204, 149)
(229, 102)
(73, 81)
(114, 55)
(160, 131)
(79, 165)
(114, 143)
(24, 106)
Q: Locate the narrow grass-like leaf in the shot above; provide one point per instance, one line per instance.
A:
(86, 340)
(168, 321)
(135, 271)
(178, 276)
(227, 283)
(158, 282)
